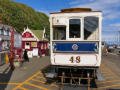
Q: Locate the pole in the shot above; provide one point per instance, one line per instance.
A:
(118, 38)
(11, 60)
(21, 48)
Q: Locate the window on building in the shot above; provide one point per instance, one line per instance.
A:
(59, 33)
(45, 46)
(42, 46)
(91, 25)
(7, 33)
(2, 32)
(33, 44)
(74, 28)
(27, 45)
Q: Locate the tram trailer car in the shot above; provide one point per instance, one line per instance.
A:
(75, 38)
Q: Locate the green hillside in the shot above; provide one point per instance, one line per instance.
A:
(20, 15)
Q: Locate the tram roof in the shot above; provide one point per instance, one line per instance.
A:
(75, 10)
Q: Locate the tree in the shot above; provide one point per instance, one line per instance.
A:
(20, 15)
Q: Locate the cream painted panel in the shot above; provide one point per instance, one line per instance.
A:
(85, 60)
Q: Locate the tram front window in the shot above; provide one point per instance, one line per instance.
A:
(59, 33)
(91, 28)
(74, 28)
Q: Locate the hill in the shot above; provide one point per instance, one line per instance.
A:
(20, 15)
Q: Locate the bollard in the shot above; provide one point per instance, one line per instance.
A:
(6, 58)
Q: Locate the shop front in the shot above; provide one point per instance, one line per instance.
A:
(33, 42)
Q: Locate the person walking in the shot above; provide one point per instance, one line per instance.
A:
(26, 56)
(40, 53)
(106, 49)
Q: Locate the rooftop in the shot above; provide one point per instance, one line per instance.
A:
(38, 34)
(75, 10)
(4, 27)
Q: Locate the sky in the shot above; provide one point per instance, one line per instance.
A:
(110, 9)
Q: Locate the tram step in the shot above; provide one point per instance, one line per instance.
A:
(99, 76)
(51, 74)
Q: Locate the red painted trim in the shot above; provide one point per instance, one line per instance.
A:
(12, 51)
(27, 35)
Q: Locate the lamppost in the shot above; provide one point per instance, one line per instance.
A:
(119, 37)
(11, 53)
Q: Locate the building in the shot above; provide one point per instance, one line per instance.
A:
(5, 37)
(5, 41)
(34, 41)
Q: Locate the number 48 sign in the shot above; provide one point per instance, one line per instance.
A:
(75, 59)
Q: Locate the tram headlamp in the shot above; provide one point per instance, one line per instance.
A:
(54, 46)
(96, 47)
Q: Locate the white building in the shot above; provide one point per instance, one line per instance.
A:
(5, 37)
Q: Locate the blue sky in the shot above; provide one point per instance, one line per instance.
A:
(110, 8)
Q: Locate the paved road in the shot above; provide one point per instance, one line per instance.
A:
(23, 77)
(31, 77)
(110, 69)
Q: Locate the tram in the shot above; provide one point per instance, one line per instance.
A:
(75, 39)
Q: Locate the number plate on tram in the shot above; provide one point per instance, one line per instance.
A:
(75, 59)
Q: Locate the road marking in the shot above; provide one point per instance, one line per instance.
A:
(26, 80)
(40, 77)
(38, 81)
(32, 78)
(107, 81)
(40, 73)
(115, 85)
(44, 78)
(36, 86)
(44, 82)
(10, 83)
(110, 76)
(112, 72)
(23, 88)
(107, 76)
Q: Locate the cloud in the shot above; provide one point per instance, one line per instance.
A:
(44, 11)
(110, 8)
(111, 15)
(116, 25)
(111, 33)
(112, 27)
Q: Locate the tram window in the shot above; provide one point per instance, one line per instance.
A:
(74, 28)
(91, 25)
(59, 33)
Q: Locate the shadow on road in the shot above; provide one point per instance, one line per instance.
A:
(45, 72)
(5, 77)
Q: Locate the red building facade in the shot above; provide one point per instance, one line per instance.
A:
(34, 42)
